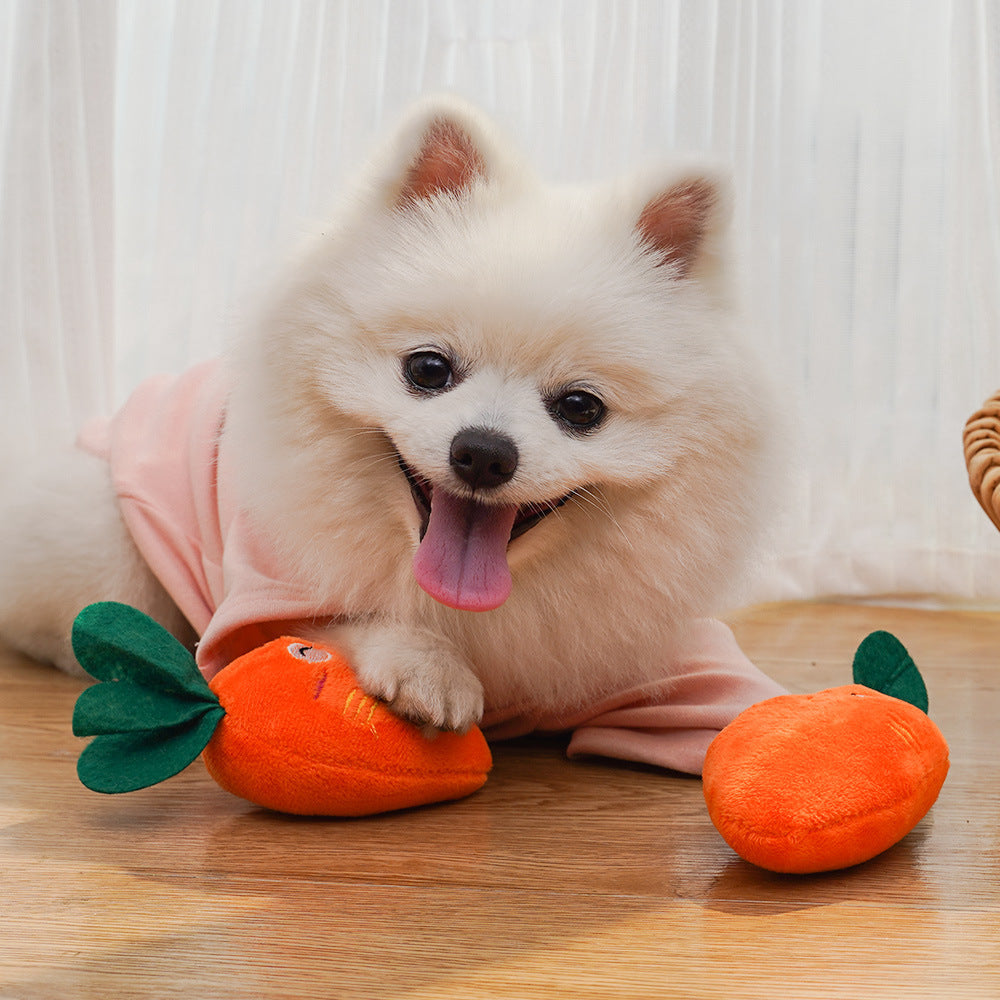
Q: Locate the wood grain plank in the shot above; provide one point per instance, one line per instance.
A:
(559, 878)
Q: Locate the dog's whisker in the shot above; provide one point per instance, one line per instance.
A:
(374, 462)
(366, 432)
(595, 502)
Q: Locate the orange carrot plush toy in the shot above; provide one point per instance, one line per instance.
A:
(285, 726)
(796, 784)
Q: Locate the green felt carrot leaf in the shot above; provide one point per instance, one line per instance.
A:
(125, 707)
(152, 713)
(130, 761)
(116, 642)
(883, 664)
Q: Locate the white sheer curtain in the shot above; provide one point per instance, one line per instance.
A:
(156, 154)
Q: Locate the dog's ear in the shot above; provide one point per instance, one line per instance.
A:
(681, 223)
(444, 146)
(447, 162)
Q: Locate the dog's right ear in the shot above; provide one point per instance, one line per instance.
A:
(443, 147)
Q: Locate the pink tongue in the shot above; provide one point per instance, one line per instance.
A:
(462, 560)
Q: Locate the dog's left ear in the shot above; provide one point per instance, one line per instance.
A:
(683, 222)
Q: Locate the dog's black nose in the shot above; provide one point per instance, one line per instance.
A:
(482, 458)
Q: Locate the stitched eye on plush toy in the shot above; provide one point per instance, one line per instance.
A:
(303, 651)
(579, 410)
(428, 371)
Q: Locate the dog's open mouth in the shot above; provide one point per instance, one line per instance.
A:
(462, 557)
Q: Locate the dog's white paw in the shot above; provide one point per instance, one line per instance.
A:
(420, 680)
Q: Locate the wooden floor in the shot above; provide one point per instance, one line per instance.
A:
(558, 879)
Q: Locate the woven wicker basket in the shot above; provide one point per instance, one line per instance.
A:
(982, 456)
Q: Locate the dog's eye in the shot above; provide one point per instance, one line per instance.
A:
(578, 410)
(429, 371)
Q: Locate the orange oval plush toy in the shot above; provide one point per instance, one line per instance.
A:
(816, 782)
(285, 726)
(300, 736)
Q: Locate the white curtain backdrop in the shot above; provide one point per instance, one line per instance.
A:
(155, 155)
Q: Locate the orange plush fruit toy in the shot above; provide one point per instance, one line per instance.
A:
(815, 782)
(285, 726)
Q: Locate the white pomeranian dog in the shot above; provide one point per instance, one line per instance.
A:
(503, 442)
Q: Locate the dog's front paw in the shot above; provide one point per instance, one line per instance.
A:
(425, 683)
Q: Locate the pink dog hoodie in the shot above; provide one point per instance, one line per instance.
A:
(175, 493)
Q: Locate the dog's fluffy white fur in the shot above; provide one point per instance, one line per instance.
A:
(451, 246)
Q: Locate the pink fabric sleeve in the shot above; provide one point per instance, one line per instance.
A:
(175, 494)
(163, 447)
(672, 723)
(669, 722)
